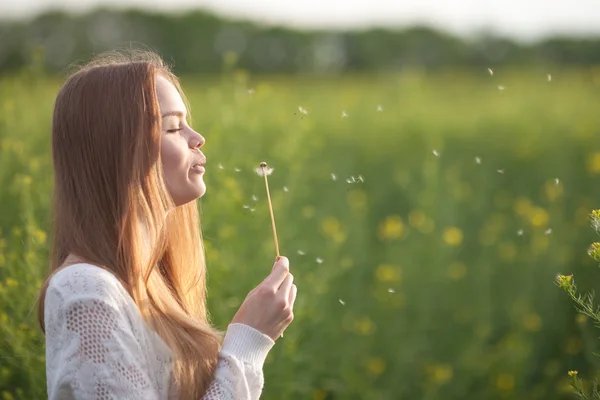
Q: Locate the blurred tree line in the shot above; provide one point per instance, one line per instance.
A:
(200, 42)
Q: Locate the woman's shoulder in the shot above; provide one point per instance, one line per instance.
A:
(86, 280)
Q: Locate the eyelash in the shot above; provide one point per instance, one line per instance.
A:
(174, 130)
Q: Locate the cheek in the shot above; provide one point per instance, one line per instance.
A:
(173, 158)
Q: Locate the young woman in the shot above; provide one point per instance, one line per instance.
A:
(124, 306)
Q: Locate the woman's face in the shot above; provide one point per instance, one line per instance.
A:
(182, 160)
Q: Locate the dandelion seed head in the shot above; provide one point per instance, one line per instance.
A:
(435, 153)
(262, 171)
(342, 302)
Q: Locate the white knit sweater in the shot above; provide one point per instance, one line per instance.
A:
(98, 347)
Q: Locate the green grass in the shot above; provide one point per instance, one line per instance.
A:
(473, 311)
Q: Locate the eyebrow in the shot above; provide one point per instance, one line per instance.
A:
(179, 114)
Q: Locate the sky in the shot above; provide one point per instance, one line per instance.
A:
(520, 19)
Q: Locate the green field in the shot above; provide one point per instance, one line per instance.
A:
(436, 278)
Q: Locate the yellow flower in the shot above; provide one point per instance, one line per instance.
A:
(391, 228)
(388, 273)
(594, 251)
(505, 382)
(331, 228)
(453, 236)
(357, 200)
(564, 281)
(538, 217)
(594, 163)
(532, 322)
(553, 190)
(375, 366)
(364, 326)
(457, 271)
(10, 282)
(573, 373)
(573, 345)
(440, 373)
(417, 219)
(595, 220)
(319, 394)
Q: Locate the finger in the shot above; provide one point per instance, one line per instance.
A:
(280, 271)
(284, 288)
(292, 296)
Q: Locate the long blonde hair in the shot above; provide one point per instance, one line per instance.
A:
(110, 197)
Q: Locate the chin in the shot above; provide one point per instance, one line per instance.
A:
(194, 193)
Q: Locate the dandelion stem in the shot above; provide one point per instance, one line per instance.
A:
(263, 166)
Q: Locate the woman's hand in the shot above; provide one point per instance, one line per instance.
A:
(269, 308)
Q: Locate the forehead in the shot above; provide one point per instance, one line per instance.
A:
(169, 98)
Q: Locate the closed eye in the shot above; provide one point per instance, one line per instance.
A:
(174, 130)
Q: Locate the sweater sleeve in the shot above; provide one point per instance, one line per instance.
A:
(239, 374)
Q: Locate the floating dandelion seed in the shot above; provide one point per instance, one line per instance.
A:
(254, 198)
(319, 260)
(520, 232)
(548, 231)
(477, 160)
(301, 252)
(500, 171)
(435, 153)
(501, 87)
(342, 302)
(556, 181)
(237, 170)
(220, 166)
(491, 71)
(549, 77)
(285, 189)
(379, 108)
(360, 179)
(247, 207)
(333, 177)
(344, 115)
(250, 91)
(390, 290)
(264, 167)
(302, 110)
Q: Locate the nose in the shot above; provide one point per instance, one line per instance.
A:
(197, 141)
